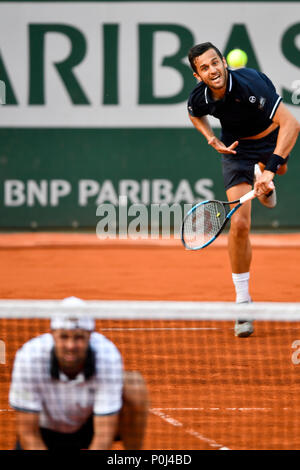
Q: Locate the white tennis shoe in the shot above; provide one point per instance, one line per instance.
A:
(244, 328)
(268, 200)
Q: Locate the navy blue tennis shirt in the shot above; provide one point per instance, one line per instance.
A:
(247, 108)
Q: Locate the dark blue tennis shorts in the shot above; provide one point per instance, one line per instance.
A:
(239, 168)
(78, 440)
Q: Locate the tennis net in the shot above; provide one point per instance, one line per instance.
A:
(207, 388)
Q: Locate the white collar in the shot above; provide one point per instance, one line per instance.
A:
(78, 379)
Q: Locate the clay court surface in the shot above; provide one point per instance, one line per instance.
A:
(208, 389)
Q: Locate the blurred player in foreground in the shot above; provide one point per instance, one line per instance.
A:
(70, 391)
(257, 130)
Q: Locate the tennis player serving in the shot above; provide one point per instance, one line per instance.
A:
(70, 390)
(258, 132)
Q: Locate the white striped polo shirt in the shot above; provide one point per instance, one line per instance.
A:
(64, 405)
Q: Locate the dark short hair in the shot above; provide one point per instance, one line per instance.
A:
(199, 49)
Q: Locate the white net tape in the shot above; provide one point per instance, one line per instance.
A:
(152, 310)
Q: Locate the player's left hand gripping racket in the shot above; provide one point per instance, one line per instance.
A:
(206, 220)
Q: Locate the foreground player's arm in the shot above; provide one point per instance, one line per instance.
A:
(25, 398)
(203, 126)
(289, 129)
(108, 397)
(105, 430)
(28, 431)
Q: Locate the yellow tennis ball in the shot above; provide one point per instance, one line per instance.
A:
(237, 58)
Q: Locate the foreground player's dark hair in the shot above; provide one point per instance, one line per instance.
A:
(199, 49)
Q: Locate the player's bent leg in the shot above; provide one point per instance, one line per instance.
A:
(240, 254)
(133, 416)
(238, 241)
(281, 171)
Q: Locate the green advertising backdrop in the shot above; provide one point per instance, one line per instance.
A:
(95, 106)
(57, 178)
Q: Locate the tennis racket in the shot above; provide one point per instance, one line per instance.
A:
(206, 220)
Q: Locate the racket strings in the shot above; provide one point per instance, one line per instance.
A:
(203, 223)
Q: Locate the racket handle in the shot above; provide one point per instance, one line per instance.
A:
(250, 195)
(247, 197)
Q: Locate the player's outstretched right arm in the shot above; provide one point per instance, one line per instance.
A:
(203, 126)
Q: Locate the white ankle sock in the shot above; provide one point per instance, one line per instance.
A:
(241, 284)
